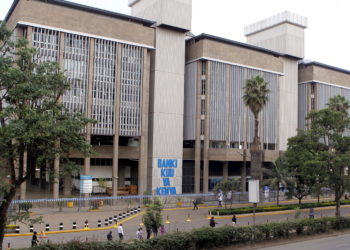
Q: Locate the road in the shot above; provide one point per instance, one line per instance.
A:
(338, 242)
(177, 217)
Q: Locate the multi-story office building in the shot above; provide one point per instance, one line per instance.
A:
(168, 105)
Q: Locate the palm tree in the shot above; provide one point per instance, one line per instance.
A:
(278, 175)
(255, 98)
(339, 103)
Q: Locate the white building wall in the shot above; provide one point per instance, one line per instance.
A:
(167, 91)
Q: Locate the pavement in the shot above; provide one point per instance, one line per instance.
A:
(181, 219)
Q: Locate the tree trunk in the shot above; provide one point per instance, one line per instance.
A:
(256, 153)
(3, 212)
(337, 203)
(300, 198)
(278, 192)
(318, 198)
(67, 187)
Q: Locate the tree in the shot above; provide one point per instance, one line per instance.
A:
(255, 98)
(331, 126)
(278, 175)
(32, 119)
(153, 219)
(300, 152)
(227, 186)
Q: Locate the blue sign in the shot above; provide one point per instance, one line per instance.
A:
(85, 177)
(167, 171)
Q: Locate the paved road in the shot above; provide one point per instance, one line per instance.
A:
(339, 242)
(177, 218)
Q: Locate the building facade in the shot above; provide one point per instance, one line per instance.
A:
(168, 104)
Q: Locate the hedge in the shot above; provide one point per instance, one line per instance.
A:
(206, 238)
(259, 209)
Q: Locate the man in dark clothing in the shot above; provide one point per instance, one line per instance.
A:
(148, 231)
(212, 222)
(234, 220)
(34, 240)
(110, 236)
(195, 202)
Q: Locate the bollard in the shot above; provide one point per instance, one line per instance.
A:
(110, 220)
(120, 217)
(135, 210)
(115, 218)
(131, 211)
(139, 209)
(8, 246)
(128, 213)
(31, 228)
(99, 223)
(74, 225)
(106, 222)
(124, 214)
(17, 229)
(47, 227)
(61, 226)
(86, 224)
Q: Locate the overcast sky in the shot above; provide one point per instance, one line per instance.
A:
(327, 37)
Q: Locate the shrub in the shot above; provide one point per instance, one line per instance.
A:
(204, 238)
(259, 209)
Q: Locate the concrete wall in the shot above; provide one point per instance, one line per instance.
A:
(288, 105)
(42, 13)
(177, 13)
(234, 54)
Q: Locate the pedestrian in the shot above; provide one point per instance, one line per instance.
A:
(234, 220)
(34, 239)
(311, 213)
(139, 234)
(110, 236)
(195, 202)
(212, 222)
(148, 231)
(220, 199)
(120, 232)
(162, 230)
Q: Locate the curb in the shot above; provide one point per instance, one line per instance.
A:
(291, 211)
(77, 230)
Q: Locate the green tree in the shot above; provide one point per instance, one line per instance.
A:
(152, 219)
(330, 127)
(278, 174)
(32, 120)
(255, 98)
(300, 152)
(227, 186)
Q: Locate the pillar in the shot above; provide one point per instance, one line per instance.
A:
(115, 167)
(143, 159)
(206, 133)
(225, 170)
(198, 150)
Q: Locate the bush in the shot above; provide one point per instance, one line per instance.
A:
(25, 206)
(204, 238)
(259, 209)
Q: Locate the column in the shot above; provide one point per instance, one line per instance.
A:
(56, 176)
(206, 133)
(118, 78)
(86, 170)
(143, 159)
(225, 170)
(197, 160)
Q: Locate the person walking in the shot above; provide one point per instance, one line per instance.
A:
(311, 213)
(220, 199)
(120, 231)
(139, 234)
(212, 222)
(162, 230)
(34, 239)
(148, 231)
(195, 202)
(110, 236)
(234, 220)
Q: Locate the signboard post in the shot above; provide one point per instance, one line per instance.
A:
(254, 195)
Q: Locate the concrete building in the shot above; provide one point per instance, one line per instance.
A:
(169, 109)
